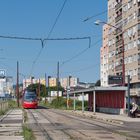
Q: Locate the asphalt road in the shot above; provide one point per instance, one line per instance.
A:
(50, 124)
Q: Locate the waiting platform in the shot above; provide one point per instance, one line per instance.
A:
(11, 125)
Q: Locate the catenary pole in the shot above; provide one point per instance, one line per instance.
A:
(17, 87)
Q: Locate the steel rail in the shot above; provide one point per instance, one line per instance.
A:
(54, 124)
(44, 132)
(106, 128)
(4, 116)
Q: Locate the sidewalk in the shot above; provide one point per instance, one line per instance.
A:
(11, 125)
(120, 119)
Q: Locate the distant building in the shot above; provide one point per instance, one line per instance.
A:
(32, 80)
(64, 82)
(52, 82)
(69, 81)
(9, 84)
(6, 84)
(54, 93)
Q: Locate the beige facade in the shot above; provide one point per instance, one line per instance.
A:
(52, 82)
(104, 57)
(65, 82)
(27, 82)
(125, 15)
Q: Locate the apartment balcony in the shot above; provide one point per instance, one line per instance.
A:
(119, 55)
(138, 16)
(135, 91)
(119, 30)
(138, 4)
(118, 68)
(138, 32)
(138, 61)
(138, 76)
(138, 47)
(119, 42)
(119, 17)
(118, 5)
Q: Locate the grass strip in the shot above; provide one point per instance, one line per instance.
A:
(27, 133)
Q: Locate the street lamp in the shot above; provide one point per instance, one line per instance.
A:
(98, 22)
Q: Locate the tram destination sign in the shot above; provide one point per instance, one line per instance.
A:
(115, 79)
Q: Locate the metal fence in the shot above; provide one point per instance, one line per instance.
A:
(3, 105)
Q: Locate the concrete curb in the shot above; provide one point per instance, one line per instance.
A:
(94, 116)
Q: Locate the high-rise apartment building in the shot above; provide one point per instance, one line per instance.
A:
(125, 15)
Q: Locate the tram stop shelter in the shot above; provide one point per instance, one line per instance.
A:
(103, 99)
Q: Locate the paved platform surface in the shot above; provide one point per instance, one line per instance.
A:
(11, 125)
(106, 117)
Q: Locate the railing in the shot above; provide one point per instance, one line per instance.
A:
(119, 30)
(138, 47)
(138, 4)
(138, 16)
(138, 32)
(118, 68)
(135, 91)
(118, 5)
(138, 61)
(119, 42)
(119, 56)
(138, 76)
(119, 17)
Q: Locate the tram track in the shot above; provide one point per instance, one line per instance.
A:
(38, 125)
(4, 116)
(56, 125)
(98, 123)
(44, 131)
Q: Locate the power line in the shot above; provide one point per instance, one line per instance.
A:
(80, 53)
(59, 39)
(45, 39)
(82, 69)
(49, 34)
(51, 30)
(75, 56)
(33, 64)
(51, 39)
(101, 13)
(20, 38)
(88, 18)
(14, 69)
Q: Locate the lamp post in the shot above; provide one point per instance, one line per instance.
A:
(98, 22)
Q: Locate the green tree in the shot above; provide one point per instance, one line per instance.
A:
(34, 87)
(55, 88)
